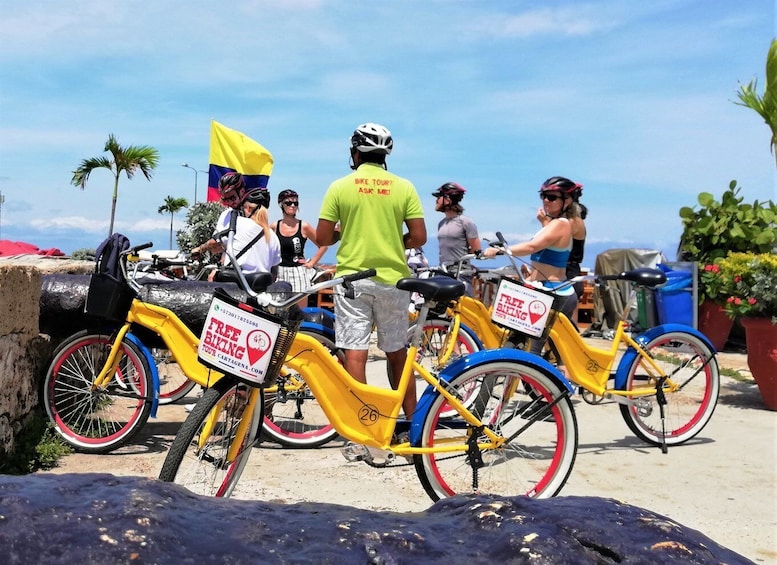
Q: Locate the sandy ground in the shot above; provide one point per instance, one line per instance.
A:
(722, 483)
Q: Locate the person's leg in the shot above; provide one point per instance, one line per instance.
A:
(356, 363)
(391, 319)
(353, 328)
(396, 361)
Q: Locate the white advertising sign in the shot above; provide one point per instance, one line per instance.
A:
(521, 308)
(237, 342)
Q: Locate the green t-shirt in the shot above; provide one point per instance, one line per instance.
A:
(372, 205)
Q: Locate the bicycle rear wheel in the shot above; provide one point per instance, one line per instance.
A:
(435, 336)
(293, 417)
(540, 431)
(173, 382)
(97, 420)
(198, 457)
(692, 365)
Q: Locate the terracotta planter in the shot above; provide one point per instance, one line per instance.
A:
(715, 323)
(761, 336)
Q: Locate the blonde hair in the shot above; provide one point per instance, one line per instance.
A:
(260, 215)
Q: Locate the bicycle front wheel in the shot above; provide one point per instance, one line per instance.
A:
(528, 409)
(97, 420)
(293, 417)
(692, 366)
(199, 457)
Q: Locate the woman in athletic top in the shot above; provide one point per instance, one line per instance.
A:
(550, 247)
(293, 233)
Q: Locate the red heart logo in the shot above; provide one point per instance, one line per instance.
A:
(536, 311)
(258, 343)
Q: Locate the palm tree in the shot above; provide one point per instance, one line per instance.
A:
(765, 105)
(171, 206)
(128, 159)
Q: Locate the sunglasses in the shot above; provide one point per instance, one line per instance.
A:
(291, 203)
(550, 197)
(231, 198)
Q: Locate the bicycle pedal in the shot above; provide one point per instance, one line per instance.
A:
(356, 452)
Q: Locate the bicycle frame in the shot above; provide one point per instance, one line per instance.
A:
(588, 366)
(178, 338)
(367, 414)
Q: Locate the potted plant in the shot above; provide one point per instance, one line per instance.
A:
(750, 280)
(710, 232)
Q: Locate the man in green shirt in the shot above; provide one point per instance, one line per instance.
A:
(372, 207)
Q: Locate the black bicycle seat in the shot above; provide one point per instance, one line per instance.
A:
(257, 281)
(438, 288)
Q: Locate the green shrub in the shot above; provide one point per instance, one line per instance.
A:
(37, 447)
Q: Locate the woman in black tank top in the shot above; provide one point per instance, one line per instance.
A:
(293, 234)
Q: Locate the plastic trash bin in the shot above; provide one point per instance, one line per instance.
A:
(674, 299)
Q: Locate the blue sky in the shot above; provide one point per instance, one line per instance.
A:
(633, 99)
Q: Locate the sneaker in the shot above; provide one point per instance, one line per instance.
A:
(189, 407)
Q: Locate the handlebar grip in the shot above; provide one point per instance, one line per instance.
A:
(502, 240)
(233, 221)
(142, 246)
(360, 275)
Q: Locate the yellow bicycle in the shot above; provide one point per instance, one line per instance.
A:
(666, 380)
(518, 438)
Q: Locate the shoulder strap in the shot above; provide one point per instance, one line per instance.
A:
(250, 244)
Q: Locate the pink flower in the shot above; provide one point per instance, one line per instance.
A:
(751, 301)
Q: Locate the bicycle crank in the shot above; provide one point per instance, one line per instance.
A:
(373, 457)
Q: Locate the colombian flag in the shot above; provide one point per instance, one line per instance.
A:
(231, 150)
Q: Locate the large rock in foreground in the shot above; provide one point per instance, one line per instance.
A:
(94, 518)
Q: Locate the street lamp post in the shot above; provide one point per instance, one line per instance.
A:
(196, 173)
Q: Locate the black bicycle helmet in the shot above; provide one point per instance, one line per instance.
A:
(258, 196)
(451, 190)
(372, 138)
(232, 181)
(286, 193)
(564, 186)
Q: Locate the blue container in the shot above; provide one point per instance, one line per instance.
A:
(674, 299)
(675, 307)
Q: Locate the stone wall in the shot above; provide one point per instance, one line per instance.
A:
(21, 349)
(24, 352)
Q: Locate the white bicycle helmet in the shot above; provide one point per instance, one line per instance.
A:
(372, 138)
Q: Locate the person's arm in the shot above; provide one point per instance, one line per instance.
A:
(211, 245)
(309, 233)
(327, 232)
(474, 244)
(543, 217)
(546, 237)
(416, 233)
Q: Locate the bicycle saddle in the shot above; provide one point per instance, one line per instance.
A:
(438, 288)
(257, 281)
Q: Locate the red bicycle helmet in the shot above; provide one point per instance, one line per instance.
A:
(564, 186)
(232, 181)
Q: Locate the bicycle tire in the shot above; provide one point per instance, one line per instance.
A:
(537, 462)
(691, 363)
(436, 331)
(293, 417)
(96, 421)
(216, 415)
(174, 385)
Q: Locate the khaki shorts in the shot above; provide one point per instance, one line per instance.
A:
(380, 305)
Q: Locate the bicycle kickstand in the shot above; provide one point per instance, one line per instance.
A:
(661, 399)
